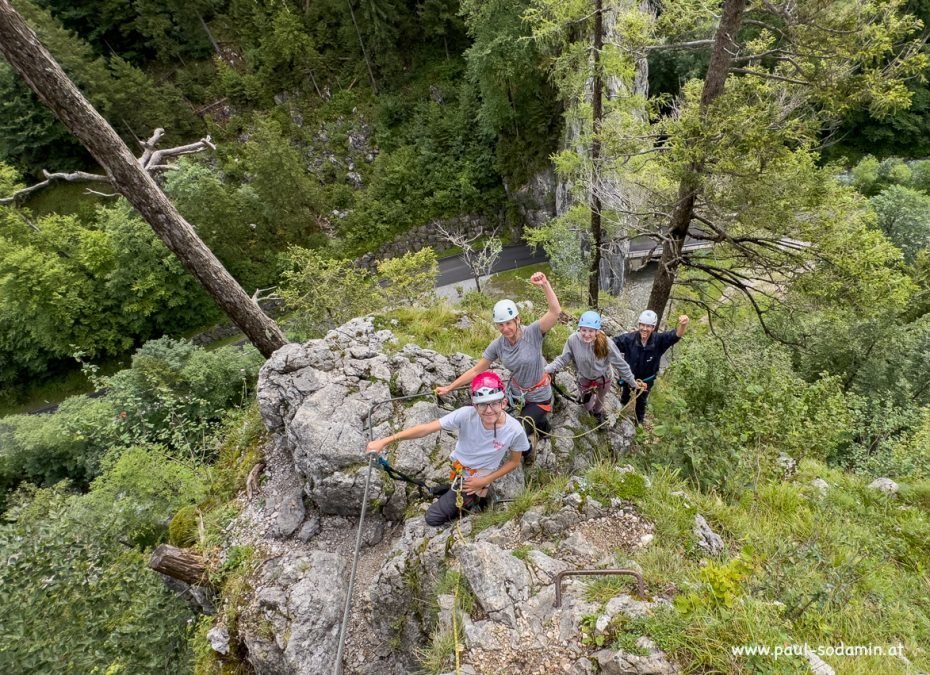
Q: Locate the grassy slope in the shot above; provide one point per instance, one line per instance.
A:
(848, 568)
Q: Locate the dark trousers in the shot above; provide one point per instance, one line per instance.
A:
(540, 419)
(444, 510)
(640, 401)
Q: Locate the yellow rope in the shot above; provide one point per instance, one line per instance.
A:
(634, 394)
(455, 629)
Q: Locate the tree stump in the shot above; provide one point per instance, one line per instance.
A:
(179, 563)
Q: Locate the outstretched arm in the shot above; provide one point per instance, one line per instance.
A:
(551, 316)
(620, 365)
(418, 431)
(682, 326)
(561, 360)
(466, 377)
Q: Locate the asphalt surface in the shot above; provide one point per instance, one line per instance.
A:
(453, 270)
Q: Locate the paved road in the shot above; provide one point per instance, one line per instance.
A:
(453, 270)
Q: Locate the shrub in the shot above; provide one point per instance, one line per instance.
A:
(78, 596)
(175, 391)
(726, 416)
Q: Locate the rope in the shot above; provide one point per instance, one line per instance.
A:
(455, 629)
(634, 394)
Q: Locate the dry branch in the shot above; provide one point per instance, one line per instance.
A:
(152, 160)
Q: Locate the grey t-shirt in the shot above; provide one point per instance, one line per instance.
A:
(589, 366)
(480, 448)
(525, 362)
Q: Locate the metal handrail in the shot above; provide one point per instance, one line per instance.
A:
(641, 585)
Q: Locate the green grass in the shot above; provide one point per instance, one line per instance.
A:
(850, 568)
(515, 284)
(66, 198)
(435, 328)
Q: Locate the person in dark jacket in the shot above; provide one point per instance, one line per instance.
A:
(643, 349)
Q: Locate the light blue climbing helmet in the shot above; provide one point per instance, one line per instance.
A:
(590, 319)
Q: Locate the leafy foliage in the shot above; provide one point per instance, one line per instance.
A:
(175, 391)
(411, 278)
(78, 595)
(173, 395)
(95, 289)
(729, 414)
(325, 292)
(30, 136)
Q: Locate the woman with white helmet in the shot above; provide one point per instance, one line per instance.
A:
(485, 435)
(519, 349)
(643, 349)
(593, 355)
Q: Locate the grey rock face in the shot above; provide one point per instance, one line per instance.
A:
(319, 400)
(885, 485)
(301, 599)
(497, 579)
(288, 510)
(821, 486)
(708, 540)
(218, 637)
(624, 663)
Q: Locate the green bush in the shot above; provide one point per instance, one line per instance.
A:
(45, 449)
(175, 391)
(173, 394)
(725, 416)
(78, 596)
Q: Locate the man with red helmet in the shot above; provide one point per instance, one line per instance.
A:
(485, 436)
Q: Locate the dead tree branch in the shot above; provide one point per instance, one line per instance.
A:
(151, 160)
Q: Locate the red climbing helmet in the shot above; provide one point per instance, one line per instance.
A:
(487, 387)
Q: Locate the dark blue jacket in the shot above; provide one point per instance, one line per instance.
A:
(644, 360)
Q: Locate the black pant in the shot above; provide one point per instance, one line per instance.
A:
(540, 419)
(444, 510)
(640, 401)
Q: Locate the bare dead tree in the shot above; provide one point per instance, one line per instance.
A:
(479, 261)
(22, 49)
(152, 160)
(597, 118)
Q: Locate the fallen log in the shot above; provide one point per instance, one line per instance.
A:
(179, 563)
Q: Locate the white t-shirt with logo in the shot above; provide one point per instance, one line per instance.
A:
(480, 448)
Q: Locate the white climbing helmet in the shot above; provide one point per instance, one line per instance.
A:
(648, 318)
(505, 310)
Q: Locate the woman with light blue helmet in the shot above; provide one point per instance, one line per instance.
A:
(593, 354)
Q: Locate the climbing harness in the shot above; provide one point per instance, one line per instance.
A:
(516, 393)
(634, 394)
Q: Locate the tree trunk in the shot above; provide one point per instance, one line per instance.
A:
(206, 29)
(361, 42)
(179, 563)
(597, 236)
(28, 57)
(717, 71)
